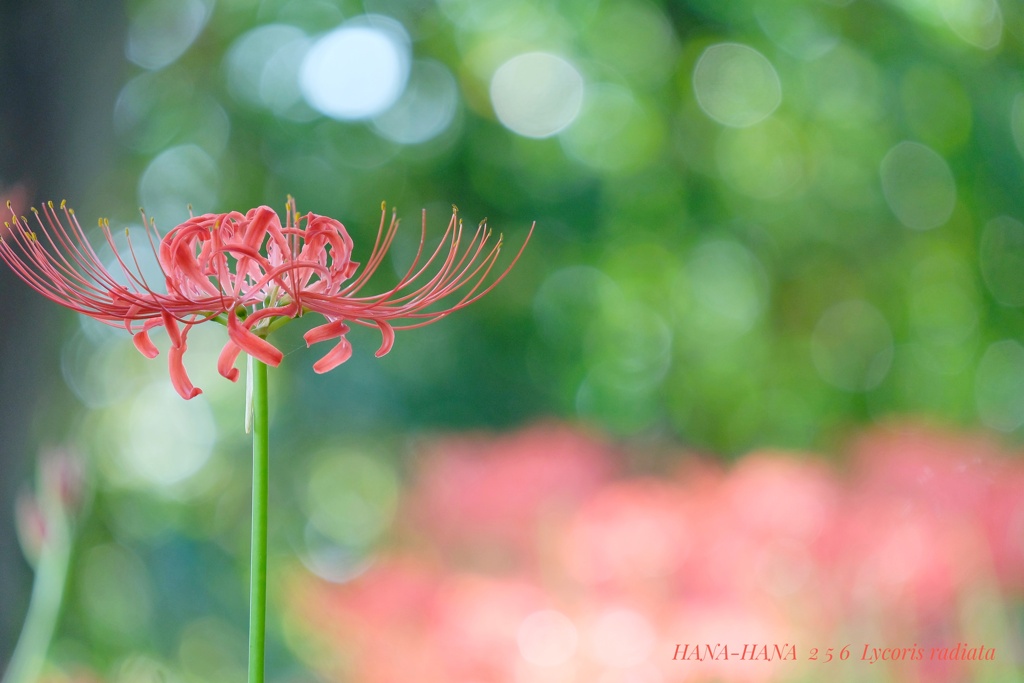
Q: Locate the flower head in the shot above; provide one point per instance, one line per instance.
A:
(252, 274)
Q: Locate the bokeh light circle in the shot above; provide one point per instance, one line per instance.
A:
(616, 132)
(1017, 122)
(1001, 257)
(547, 638)
(426, 108)
(635, 39)
(918, 185)
(350, 497)
(621, 638)
(729, 286)
(98, 373)
(536, 94)
(736, 85)
(846, 86)
(357, 70)
(569, 301)
(176, 178)
(162, 30)
(976, 22)
(262, 68)
(852, 346)
(165, 440)
(803, 31)
(999, 386)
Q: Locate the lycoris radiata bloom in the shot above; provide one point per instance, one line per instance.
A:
(252, 274)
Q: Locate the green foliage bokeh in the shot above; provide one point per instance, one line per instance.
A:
(763, 224)
(798, 237)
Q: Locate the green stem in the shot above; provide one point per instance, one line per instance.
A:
(258, 558)
(44, 605)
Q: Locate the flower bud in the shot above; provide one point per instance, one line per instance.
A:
(31, 525)
(62, 478)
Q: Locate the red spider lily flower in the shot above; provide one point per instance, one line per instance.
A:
(252, 274)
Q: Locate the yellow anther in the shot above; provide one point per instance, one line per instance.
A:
(71, 211)
(35, 210)
(126, 232)
(455, 209)
(63, 203)
(50, 204)
(8, 203)
(383, 206)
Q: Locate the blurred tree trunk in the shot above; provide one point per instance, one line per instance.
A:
(61, 63)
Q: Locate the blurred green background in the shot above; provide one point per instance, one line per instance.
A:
(759, 223)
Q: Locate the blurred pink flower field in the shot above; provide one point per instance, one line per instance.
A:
(553, 555)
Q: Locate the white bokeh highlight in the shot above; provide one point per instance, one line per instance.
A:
(736, 85)
(162, 30)
(918, 185)
(358, 70)
(166, 440)
(537, 94)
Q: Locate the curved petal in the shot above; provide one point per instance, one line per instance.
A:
(171, 325)
(179, 378)
(388, 334)
(335, 357)
(226, 361)
(320, 333)
(255, 346)
(142, 341)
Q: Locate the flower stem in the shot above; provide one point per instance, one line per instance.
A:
(44, 606)
(258, 558)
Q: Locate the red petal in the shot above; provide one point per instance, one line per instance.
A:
(226, 361)
(335, 357)
(142, 341)
(320, 333)
(388, 334)
(179, 378)
(171, 325)
(255, 346)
